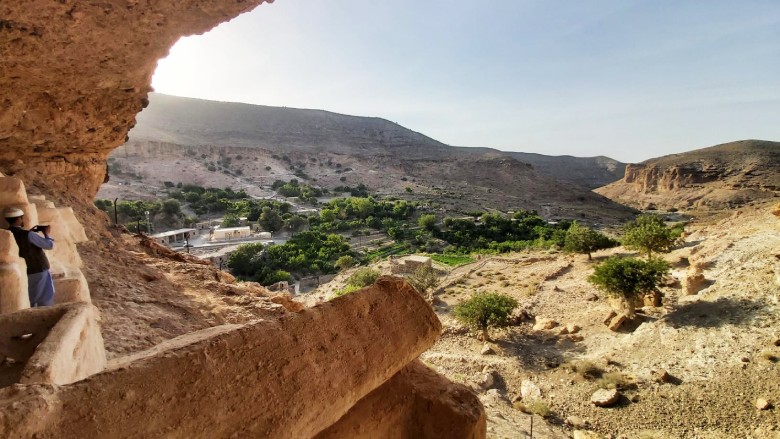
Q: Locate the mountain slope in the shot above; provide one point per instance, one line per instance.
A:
(263, 144)
(721, 176)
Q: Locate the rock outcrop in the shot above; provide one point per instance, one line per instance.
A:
(721, 176)
(75, 74)
(294, 377)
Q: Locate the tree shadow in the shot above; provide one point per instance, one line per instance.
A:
(714, 314)
(539, 352)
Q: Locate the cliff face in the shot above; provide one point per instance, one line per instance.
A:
(75, 74)
(722, 176)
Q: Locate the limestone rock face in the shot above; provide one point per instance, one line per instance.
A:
(720, 176)
(75, 74)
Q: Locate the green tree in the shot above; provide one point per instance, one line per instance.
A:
(427, 221)
(270, 220)
(277, 276)
(581, 239)
(171, 207)
(484, 311)
(104, 205)
(649, 233)
(345, 262)
(230, 220)
(245, 261)
(294, 223)
(424, 279)
(363, 277)
(628, 279)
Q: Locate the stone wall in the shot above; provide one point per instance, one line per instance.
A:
(51, 345)
(69, 282)
(294, 377)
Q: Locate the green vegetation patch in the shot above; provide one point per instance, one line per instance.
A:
(453, 260)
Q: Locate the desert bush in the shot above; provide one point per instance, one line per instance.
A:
(345, 262)
(424, 279)
(484, 311)
(629, 278)
(427, 221)
(535, 407)
(613, 380)
(363, 277)
(346, 290)
(586, 369)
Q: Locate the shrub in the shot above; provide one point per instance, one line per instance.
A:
(585, 369)
(345, 262)
(347, 290)
(649, 234)
(484, 311)
(628, 278)
(613, 380)
(427, 221)
(171, 207)
(363, 277)
(581, 239)
(535, 407)
(277, 276)
(423, 279)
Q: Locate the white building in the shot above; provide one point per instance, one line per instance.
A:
(174, 236)
(229, 233)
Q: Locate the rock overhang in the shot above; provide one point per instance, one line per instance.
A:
(75, 74)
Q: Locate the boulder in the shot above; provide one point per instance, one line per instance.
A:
(571, 328)
(487, 350)
(576, 422)
(608, 319)
(486, 381)
(617, 322)
(544, 324)
(763, 404)
(662, 376)
(694, 280)
(605, 397)
(575, 338)
(529, 391)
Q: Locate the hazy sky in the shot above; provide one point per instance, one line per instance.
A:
(627, 79)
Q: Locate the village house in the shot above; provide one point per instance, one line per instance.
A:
(174, 236)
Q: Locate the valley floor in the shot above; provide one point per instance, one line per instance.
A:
(719, 347)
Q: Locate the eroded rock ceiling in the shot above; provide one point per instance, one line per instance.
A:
(73, 75)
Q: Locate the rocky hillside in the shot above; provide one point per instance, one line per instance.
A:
(588, 172)
(698, 366)
(179, 139)
(721, 176)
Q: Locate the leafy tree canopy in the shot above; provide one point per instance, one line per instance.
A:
(485, 310)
